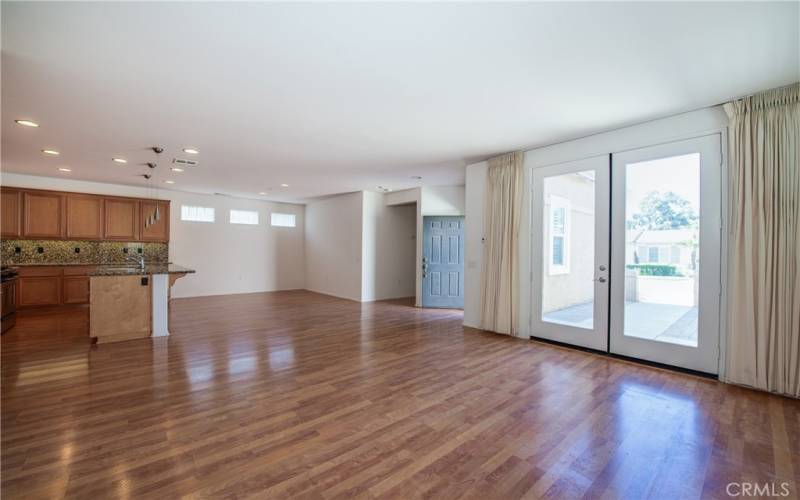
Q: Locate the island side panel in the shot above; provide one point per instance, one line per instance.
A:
(160, 284)
(120, 308)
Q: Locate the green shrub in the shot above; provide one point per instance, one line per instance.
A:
(655, 269)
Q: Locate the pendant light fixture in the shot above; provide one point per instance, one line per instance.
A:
(155, 215)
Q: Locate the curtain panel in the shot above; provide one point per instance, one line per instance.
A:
(764, 241)
(501, 222)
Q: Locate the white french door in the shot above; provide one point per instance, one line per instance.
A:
(570, 252)
(626, 256)
(665, 253)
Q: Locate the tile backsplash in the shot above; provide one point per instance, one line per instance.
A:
(79, 252)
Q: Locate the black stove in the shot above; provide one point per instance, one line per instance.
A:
(8, 273)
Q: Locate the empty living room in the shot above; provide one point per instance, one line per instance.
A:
(401, 250)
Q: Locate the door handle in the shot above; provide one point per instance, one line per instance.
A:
(600, 279)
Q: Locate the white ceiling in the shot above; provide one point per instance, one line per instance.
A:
(331, 98)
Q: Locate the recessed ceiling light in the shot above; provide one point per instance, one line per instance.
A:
(190, 151)
(26, 123)
(119, 160)
(262, 193)
(284, 185)
(64, 169)
(51, 152)
(169, 182)
(176, 169)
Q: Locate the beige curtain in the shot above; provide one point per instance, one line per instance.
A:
(764, 242)
(500, 268)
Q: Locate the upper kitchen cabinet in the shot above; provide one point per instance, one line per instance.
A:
(158, 230)
(11, 213)
(121, 219)
(43, 214)
(84, 216)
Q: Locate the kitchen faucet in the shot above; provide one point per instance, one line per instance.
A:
(139, 259)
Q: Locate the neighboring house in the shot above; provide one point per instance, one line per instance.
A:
(665, 246)
(569, 241)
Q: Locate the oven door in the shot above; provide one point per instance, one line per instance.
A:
(9, 304)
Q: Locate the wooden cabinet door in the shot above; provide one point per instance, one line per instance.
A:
(75, 289)
(11, 212)
(159, 230)
(43, 214)
(39, 291)
(121, 219)
(84, 216)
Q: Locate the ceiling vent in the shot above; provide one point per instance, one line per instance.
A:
(182, 162)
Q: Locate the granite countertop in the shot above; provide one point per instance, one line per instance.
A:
(154, 268)
(82, 264)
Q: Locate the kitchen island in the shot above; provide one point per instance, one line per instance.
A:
(131, 302)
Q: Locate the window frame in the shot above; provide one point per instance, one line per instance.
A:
(202, 221)
(282, 214)
(231, 211)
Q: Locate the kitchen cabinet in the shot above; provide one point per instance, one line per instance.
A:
(39, 286)
(11, 213)
(121, 219)
(38, 214)
(159, 230)
(53, 285)
(43, 214)
(84, 216)
(75, 290)
(75, 284)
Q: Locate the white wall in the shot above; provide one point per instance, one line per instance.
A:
(358, 244)
(228, 258)
(443, 200)
(388, 249)
(473, 244)
(333, 231)
(686, 125)
(236, 258)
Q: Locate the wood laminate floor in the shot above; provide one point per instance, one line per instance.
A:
(300, 395)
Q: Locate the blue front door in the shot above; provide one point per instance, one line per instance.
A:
(443, 262)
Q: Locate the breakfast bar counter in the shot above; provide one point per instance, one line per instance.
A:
(131, 302)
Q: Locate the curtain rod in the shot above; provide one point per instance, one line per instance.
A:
(754, 93)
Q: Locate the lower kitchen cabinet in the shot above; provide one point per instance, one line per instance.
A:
(75, 290)
(52, 285)
(39, 291)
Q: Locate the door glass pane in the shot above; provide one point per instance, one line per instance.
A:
(568, 249)
(662, 212)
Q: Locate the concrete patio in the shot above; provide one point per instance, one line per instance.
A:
(661, 322)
